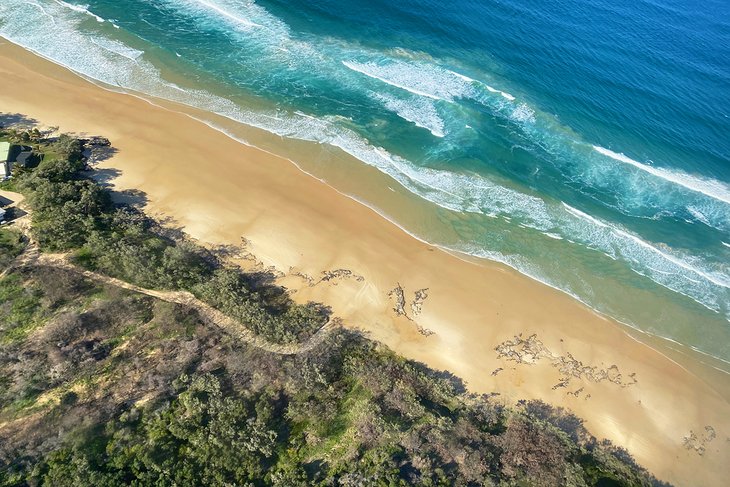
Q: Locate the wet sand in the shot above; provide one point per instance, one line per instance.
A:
(499, 331)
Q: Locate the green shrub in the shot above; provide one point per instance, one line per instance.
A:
(72, 212)
(12, 244)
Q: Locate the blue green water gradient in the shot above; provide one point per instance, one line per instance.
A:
(584, 143)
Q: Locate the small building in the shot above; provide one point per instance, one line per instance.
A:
(11, 155)
(4, 213)
(4, 153)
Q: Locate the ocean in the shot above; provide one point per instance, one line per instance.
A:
(585, 144)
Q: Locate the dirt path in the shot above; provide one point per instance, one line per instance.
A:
(30, 253)
(32, 256)
(208, 313)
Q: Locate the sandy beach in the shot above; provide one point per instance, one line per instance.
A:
(499, 331)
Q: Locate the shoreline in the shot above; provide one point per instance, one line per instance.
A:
(229, 124)
(303, 227)
(643, 336)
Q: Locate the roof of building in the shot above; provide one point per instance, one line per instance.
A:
(22, 158)
(15, 151)
(4, 151)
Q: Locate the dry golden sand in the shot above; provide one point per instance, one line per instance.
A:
(221, 191)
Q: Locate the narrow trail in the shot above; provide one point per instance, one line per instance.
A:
(31, 252)
(32, 256)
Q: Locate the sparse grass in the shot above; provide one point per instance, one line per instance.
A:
(8, 185)
(12, 244)
(20, 304)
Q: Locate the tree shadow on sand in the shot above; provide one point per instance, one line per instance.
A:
(17, 120)
(129, 197)
(97, 153)
(104, 177)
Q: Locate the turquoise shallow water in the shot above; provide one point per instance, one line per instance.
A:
(586, 144)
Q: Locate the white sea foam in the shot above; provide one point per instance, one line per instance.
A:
(422, 112)
(585, 216)
(267, 38)
(43, 11)
(117, 47)
(428, 80)
(663, 266)
(462, 77)
(659, 271)
(698, 214)
(79, 8)
(220, 8)
(523, 113)
(717, 279)
(709, 187)
(394, 76)
(491, 89)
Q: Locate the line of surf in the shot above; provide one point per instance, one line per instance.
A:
(362, 70)
(668, 257)
(227, 14)
(78, 8)
(709, 187)
(422, 113)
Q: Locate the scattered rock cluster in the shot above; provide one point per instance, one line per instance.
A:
(531, 350)
(327, 276)
(340, 274)
(417, 303)
(697, 443)
(398, 294)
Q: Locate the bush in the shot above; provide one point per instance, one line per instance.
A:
(71, 212)
(12, 244)
(227, 290)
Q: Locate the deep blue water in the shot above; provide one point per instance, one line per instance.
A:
(585, 143)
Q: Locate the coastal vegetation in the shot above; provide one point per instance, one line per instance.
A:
(107, 386)
(11, 245)
(73, 213)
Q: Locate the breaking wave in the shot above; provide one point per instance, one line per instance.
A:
(708, 187)
(423, 113)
